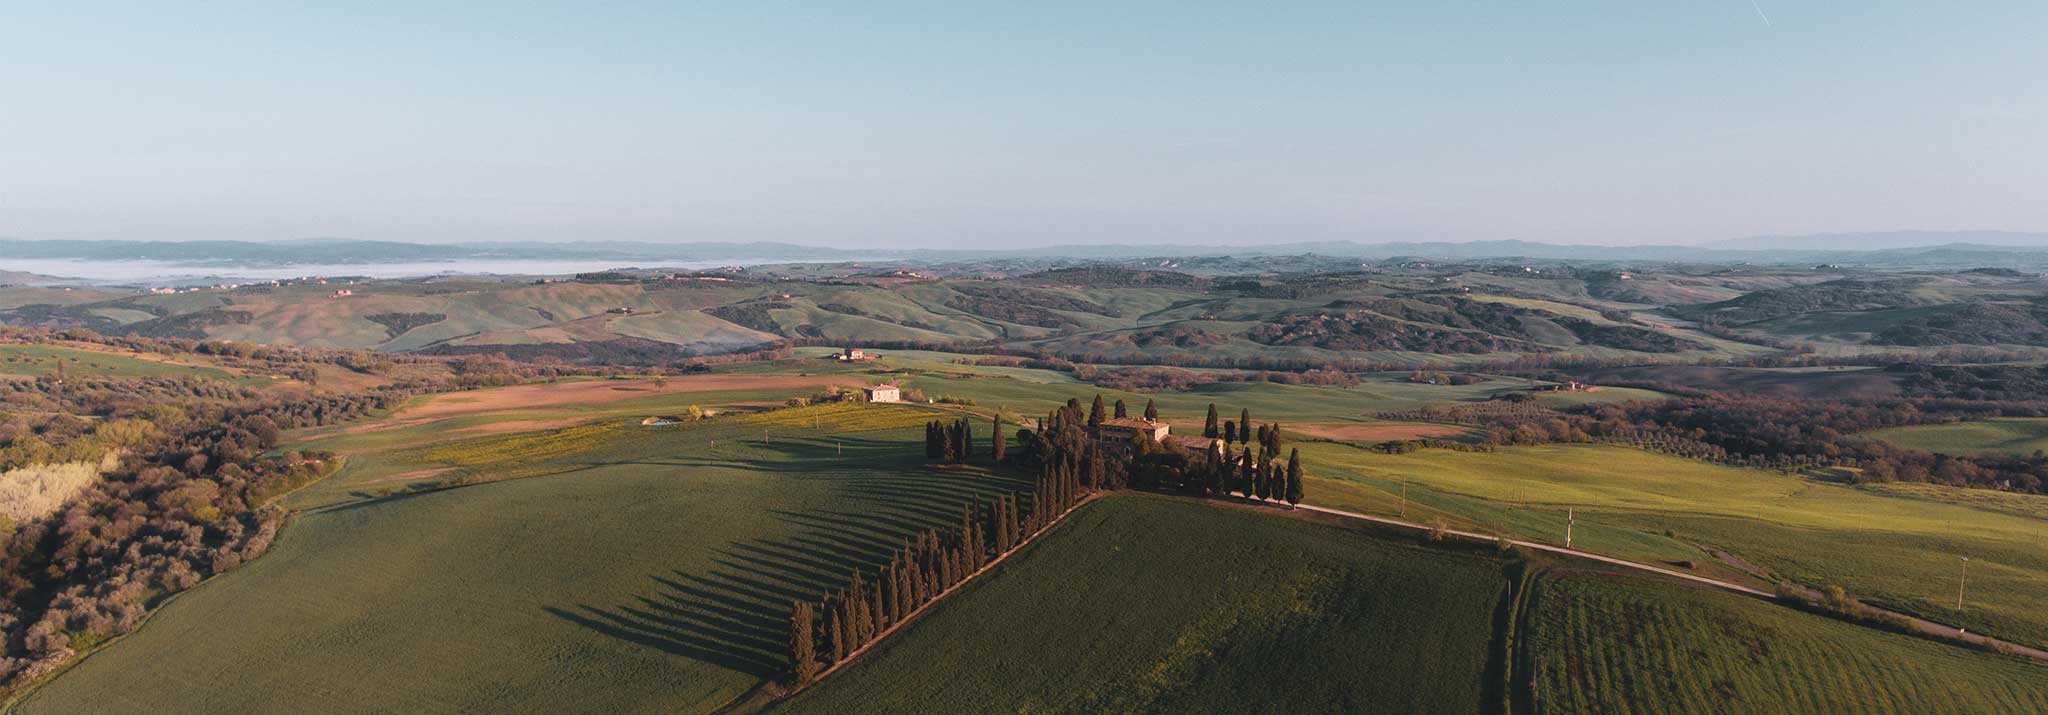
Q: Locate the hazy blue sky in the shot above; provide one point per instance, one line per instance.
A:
(968, 124)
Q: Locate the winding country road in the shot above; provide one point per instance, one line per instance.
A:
(1931, 628)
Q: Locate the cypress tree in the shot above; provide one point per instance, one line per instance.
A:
(1229, 431)
(1096, 414)
(838, 615)
(1215, 468)
(966, 440)
(1151, 411)
(1244, 425)
(1294, 476)
(863, 627)
(1244, 471)
(1010, 520)
(892, 601)
(906, 592)
(1120, 412)
(1209, 426)
(1259, 485)
(803, 644)
(997, 440)
(880, 610)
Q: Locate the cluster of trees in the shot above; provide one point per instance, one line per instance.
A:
(1070, 443)
(1256, 475)
(182, 508)
(2006, 383)
(926, 567)
(1438, 377)
(954, 441)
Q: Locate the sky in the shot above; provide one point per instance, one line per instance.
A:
(967, 124)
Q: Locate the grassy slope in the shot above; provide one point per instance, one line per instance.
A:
(1150, 605)
(1605, 644)
(2015, 435)
(42, 359)
(652, 574)
(1899, 552)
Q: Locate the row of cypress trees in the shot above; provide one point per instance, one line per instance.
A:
(924, 568)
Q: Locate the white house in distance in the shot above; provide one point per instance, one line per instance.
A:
(883, 393)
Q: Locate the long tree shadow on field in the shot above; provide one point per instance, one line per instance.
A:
(734, 613)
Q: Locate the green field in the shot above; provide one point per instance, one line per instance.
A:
(33, 360)
(2013, 435)
(1630, 645)
(1143, 604)
(651, 572)
(1893, 550)
(385, 460)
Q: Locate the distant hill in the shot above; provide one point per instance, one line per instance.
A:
(1907, 250)
(347, 251)
(1886, 240)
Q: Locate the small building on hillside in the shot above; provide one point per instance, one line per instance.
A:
(856, 355)
(1122, 429)
(883, 393)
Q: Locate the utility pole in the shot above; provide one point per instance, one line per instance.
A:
(1962, 576)
(1569, 520)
